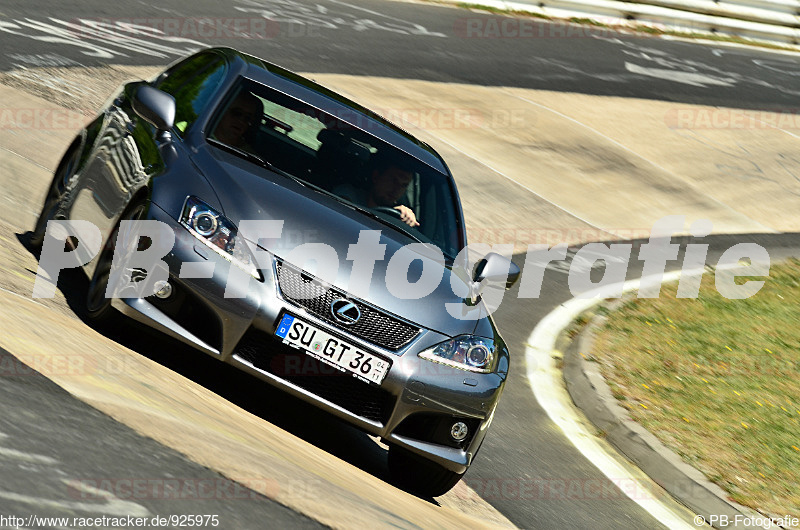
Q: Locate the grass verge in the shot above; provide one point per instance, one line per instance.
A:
(717, 381)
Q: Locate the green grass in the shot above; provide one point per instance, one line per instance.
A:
(715, 37)
(587, 22)
(495, 10)
(718, 381)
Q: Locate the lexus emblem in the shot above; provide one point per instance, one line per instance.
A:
(345, 311)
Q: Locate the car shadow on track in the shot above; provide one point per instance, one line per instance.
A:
(243, 390)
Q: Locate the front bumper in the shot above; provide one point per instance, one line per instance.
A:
(412, 408)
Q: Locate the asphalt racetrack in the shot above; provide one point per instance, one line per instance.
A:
(552, 139)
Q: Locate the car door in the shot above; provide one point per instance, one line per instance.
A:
(125, 156)
(126, 153)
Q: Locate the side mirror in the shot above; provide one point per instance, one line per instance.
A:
(496, 268)
(155, 107)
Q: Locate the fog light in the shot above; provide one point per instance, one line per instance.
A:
(459, 431)
(164, 290)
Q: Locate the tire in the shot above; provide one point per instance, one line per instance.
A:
(66, 168)
(98, 307)
(420, 476)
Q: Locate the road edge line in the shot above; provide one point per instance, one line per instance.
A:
(549, 390)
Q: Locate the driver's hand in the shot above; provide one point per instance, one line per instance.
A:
(407, 215)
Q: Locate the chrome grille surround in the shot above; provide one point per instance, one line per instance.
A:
(374, 325)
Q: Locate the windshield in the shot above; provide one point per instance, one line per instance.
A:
(346, 162)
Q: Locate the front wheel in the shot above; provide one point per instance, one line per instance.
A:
(419, 475)
(98, 304)
(64, 172)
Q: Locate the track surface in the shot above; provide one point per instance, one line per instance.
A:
(428, 43)
(419, 41)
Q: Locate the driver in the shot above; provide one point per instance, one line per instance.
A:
(388, 183)
(234, 125)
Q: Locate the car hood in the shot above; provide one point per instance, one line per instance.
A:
(248, 192)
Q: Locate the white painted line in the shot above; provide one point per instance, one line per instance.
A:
(22, 456)
(31, 300)
(680, 76)
(112, 506)
(37, 164)
(547, 384)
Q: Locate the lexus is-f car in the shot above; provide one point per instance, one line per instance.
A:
(287, 256)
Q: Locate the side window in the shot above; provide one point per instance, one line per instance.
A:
(304, 128)
(192, 83)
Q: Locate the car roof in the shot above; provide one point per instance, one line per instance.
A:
(326, 99)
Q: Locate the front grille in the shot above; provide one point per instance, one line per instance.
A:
(362, 399)
(374, 326)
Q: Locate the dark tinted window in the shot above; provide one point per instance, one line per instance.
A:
(192, 83)
(348, 162)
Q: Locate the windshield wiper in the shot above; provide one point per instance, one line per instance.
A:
(380, 219)
(255, 159)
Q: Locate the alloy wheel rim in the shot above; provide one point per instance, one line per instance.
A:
(96, 299)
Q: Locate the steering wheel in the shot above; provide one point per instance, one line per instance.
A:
(388, 210)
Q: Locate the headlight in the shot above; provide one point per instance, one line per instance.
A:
(466, 352)
(218, 233)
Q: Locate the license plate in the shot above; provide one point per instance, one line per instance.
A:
(332, 350)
